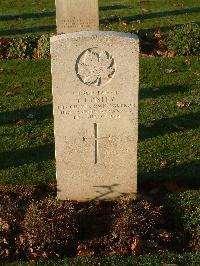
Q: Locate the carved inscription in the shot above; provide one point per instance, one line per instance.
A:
(95, 67)
(74, 22)
(96, 105)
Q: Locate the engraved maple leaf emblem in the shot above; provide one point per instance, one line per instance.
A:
(95, 68)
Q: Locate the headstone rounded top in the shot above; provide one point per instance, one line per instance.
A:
(94, 33)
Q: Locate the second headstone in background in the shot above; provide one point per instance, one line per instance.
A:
(77, 15)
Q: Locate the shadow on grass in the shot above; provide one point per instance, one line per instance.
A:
(28, 30)
(169, 125)
(163, 14)
(105, 8)
(51, 13)
(163, 91)
(26, 156)
(27, 15)
(185, 174)
(163, 29)
(113, 7)
(39, 113)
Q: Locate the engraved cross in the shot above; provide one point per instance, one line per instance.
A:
(96, 139)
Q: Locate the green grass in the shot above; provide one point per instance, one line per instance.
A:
(147, 15)
(26, 123)
(166, 132)
(24, 17)
(184, 210)
(148, 260)
(174, 135)
(27, 148)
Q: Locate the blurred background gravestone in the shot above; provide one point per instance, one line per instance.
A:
(77, 15)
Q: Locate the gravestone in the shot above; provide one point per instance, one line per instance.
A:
(95, 98)
(77, 15)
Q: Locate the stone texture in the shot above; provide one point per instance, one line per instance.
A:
(95, 98)
(77, 15)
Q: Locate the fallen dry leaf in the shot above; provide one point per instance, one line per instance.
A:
(169, 71)
(44, 255)
(160, 53)
(183, 104)
(158, 34)
(177, 5)
(4, 226)
(163, 164)
(145, 10)
(41, 100)
(44, 136)
(17, 86)
(9, 93)
(134, 29)
(36, 54)
(5, 253)
(5, 241)
(136, 246)
(170, 54)
(124, 23)
(197, 73)
(145, 55)
(83, 251)
(165, 235)
(154, 102)
(21, 122)
(187, 61)
(161, 44)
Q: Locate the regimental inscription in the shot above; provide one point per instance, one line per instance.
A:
(95, 67)
(96, 104)
(74, 22)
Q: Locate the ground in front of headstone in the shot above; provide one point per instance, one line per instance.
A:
(36, 226)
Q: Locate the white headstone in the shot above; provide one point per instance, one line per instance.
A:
(77, 15)
(95, 97)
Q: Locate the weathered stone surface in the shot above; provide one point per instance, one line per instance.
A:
(95, 97)
(77, 15)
